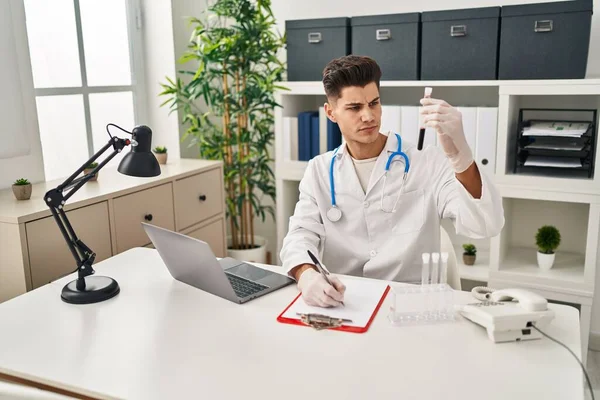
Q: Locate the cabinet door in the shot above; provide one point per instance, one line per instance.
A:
(214, 235)
(198, 197)
(49, 255)
(154, 206)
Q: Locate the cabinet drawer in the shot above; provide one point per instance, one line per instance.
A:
(154, 206)
(49, 255)
(213, 234)
(198, 197)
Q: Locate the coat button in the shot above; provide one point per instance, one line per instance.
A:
(366, 204)
(373, 253)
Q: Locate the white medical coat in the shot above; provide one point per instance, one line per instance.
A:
(369, 242)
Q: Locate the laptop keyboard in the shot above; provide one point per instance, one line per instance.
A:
(244, 287)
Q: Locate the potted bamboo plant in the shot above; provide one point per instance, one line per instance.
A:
(547, 240)
(233, 67)
(22, 189)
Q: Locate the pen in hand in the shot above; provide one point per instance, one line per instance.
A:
(322, 270)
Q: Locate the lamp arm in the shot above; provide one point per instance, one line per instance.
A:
(55, 200)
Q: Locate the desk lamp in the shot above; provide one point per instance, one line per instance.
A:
(138, 162)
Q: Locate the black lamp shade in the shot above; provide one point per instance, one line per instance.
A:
(140, 161)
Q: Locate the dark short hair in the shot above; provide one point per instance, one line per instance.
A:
(349, 70)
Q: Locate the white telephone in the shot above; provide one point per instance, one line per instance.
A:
(509, 314)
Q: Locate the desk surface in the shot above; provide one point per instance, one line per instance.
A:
(160, 339)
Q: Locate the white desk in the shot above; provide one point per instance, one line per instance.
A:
(162, 339)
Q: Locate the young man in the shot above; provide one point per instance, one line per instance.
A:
(388, 219)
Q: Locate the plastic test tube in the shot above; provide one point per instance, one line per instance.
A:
(425, 270)
(444, 269)
(435, 271)
(427, 94)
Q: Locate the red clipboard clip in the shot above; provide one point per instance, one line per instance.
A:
(320, 321)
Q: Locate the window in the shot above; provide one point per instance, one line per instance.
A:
(85, 76)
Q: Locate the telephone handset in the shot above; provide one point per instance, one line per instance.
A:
(508, 314)
(526, 299)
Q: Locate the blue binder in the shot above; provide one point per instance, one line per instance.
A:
(334, 135)
(315, 145)
(304, 135)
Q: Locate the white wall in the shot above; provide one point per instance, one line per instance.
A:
(17, 99)
(182, 9)
(159, 62)
(287, 9)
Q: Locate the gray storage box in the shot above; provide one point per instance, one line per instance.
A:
(391, 40)
(460, 44)
(312, 43)
(545, 40)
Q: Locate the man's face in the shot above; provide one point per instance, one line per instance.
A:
(357, 112)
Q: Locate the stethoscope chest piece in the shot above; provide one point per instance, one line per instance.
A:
(334, 214)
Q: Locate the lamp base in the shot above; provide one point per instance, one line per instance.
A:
(94, 290)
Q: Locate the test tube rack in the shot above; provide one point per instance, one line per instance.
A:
(422, 304)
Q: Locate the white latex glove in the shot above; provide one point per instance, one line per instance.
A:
(447, 121)
(317, 292)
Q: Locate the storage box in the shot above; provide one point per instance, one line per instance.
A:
(312, 43)
(545, 40)
(460, 44)
(391, 40)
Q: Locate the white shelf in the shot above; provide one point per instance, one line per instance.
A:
(517, 87)
(522, 264)
(480, 271)
(291, 170)
(573, 276)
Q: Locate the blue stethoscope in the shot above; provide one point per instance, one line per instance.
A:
(334, 214)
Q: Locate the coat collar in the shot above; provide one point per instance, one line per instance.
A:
(391, 146)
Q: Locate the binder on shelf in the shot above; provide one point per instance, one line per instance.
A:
(315, 140)
(487, 133)
(304, 135)
(469, 117)
(290, 138)
(334, 135)
(323, 124)
(411, 124)
(362, 301)
(391, 119)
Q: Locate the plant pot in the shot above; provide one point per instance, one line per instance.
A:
(257, 254)
(161, 157)
(22, 192)
(469, 259)
(545, 261)
(87, 172)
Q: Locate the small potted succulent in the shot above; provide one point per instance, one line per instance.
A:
(469, 253)
(22, 189)
(161, 154)
(88, 170)
(547, 240)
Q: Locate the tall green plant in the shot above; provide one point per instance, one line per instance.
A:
(233, 51)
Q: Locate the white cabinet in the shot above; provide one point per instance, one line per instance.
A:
(106, 215)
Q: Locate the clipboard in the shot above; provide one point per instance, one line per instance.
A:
(345, 328)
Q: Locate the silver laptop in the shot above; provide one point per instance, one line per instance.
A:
(192, 261)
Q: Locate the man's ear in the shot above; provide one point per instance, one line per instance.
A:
(329, 112)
